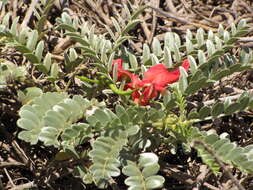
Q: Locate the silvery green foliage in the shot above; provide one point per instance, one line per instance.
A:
(210, 61)
(226, 107)
(41, 13)
(209, 55)
(97, 47)
(27, 42)
(104, 155)
(51, 118)
(28, 94)
(214, 61)
(10, 72)
(142, 174)
(120, 129)
(24, 40)
(227, 151)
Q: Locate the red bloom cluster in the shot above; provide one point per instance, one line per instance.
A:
(155, 80)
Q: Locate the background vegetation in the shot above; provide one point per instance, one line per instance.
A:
(67, 117)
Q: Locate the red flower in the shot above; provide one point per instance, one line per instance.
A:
(121, 72)
(155, 80)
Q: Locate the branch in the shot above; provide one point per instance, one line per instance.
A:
(235, 97)
(217, 159)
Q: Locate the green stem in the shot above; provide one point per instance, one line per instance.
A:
(111, 85)
(85, 79)
(118, 91)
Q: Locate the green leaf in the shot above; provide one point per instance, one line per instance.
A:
(102, 116)
(194, 86)
(115, 73)
(156, 47)
(177, 53)
(28, 137)
(244, 102)
(242, 23)
(167, 58)
(177, 40)
(218, 43)
(193, 64)
(130, 169)
(204, 112)
(54, 70)
(201, 57)
(22, 49)
(47, 62)
(39, 50)
(31, 57)
(232, 108)
(234, 68)
(72, 54)
(110, 32)
(66, 27)
(109, 64)
(226, 36)
(79, 40)
(221, 74)
(147, 159)
(41, 23)
(13, 28)
(6, 19)
(134, 181)
(145, 53)
(133, 61)
(28, 94)
(142, 175)
(132, 130)
(51, 115)
(210, 47)
(220, 30)
(200, 36)
(130, 26)
(210, 35)
(116, 24)
(66, 18)
(22, 37)
(150, 170)
(154, 182)
(217, 109)
(32, 40)
(154, 59)
(227, 151)
(183, 83)
(169, 40)
(189, 34)
(189, 46)
(193, 114)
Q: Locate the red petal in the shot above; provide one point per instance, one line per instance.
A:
(121, 72)
(160, 76)
(186, 64)
(149, 93)
(119, 62)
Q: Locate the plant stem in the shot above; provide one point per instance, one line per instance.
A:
(217, 159)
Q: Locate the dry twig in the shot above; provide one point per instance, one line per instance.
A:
(29, 13)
